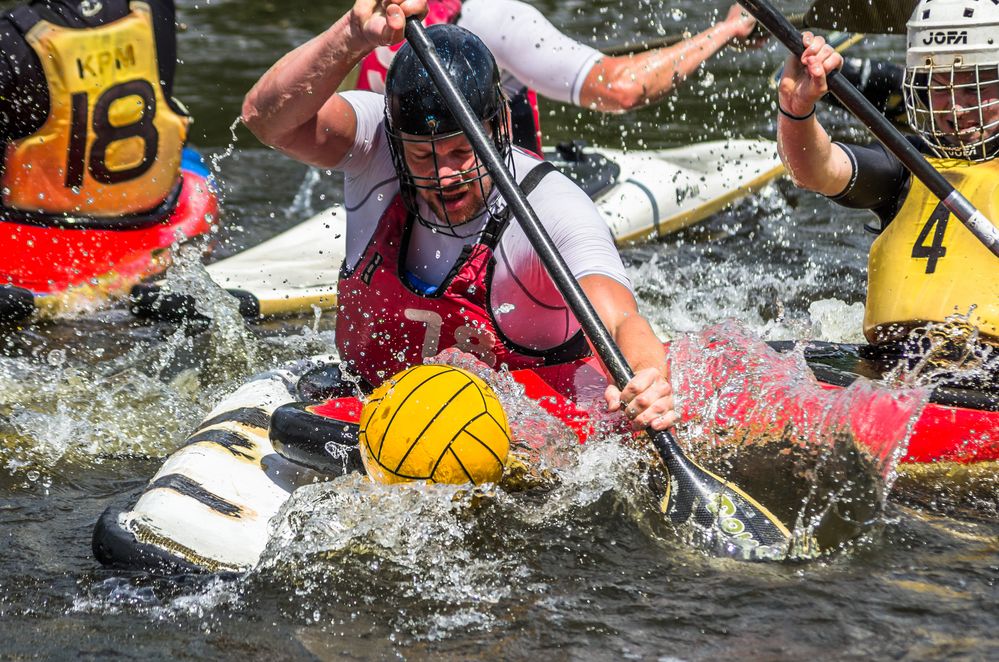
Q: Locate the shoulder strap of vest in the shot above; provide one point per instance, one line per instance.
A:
(24, 18)
(534, 177)
(496, 226)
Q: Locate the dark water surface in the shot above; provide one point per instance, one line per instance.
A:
(90, 407)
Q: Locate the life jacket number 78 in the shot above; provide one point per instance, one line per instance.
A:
(466, 338)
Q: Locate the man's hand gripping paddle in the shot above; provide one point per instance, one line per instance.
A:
(882, 129)
(731, 523)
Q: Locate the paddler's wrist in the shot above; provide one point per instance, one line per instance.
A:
(794, 110)
(733, 30)
(794, 117)
(718, 34)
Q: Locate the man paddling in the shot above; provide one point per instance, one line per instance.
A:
(924, 266)
(534, 56)
(89, 128)
(434, 259)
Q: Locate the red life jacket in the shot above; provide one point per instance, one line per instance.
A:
(384, 325)
(525, 118)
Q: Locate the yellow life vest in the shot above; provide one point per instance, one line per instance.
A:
(111, 145)
(927, 266)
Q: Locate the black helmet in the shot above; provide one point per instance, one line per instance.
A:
(415, 111)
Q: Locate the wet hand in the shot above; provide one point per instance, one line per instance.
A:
(742, 23)
(647, 400)
(383, 22)
(804, 80)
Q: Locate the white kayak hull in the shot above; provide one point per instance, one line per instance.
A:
(209, 506)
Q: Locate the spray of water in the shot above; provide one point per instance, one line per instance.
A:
(439, 559)
(58, 409)
(822, 460)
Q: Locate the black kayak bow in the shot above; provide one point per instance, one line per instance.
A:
(728, 521)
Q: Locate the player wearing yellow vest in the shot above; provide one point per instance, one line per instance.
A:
(925, 265)
(89, 128)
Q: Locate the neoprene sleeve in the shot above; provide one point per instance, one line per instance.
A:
(879, 181)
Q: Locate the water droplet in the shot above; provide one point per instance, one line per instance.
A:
(56, 358)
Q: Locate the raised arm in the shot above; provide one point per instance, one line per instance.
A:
(621, 83)
(294, 106)
(804, 146)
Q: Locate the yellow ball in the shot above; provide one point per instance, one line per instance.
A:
(435, 423)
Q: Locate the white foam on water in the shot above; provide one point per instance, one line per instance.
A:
(76, 411)
(837, 321)
(160, 600)
(450, 553)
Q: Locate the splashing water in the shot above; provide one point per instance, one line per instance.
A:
(161, 599)
(442, 559)
(301, 206)
(821, 460)
(218, 158)
(950, 356)
(438, 559)
(72, 412)
(232, 353)
(947, 353)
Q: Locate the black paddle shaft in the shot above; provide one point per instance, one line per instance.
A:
(737, 525)
(599, 336)
(890, 137)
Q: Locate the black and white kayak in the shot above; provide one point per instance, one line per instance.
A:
(641, 194)
(209, 505)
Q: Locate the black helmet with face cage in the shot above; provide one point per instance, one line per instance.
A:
(415, 111)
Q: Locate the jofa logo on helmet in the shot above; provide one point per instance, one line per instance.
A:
(946, 37)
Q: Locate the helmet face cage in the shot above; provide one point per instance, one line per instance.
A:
(410, 184)
(955, 109)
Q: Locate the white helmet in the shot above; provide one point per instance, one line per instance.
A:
(952, 77)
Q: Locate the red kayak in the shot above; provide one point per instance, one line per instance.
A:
(50, 266)
(946, 427)
(211, 503)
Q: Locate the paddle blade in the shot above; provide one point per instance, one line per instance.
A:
(723, 519)
(16, 303)
(870, 16)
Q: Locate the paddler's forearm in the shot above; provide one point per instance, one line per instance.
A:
(812, 160)
(617, 84)
(640, 345)
(618, 310)
(296, 88)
